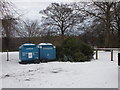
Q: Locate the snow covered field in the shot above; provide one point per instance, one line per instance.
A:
(101, 73)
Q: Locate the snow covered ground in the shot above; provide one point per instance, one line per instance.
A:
(101, 73)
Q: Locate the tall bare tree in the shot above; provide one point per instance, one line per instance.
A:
(29, 29)
(103, 11)
(8, 21)
(60, 18)
(116, 20)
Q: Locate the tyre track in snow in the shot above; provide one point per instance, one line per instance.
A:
(29, 72)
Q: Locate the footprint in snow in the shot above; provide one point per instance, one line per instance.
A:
(7, 75)
(56, 71)
(27, 79)
(30, 70)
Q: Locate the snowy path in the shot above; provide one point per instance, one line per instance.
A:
(101, 73)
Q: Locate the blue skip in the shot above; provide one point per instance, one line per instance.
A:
(37, 53)
(28, 53)
(47, 52)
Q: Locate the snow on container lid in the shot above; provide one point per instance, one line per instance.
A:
(45, 44)
(28, 44)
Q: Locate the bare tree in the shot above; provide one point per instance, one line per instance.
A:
(103, 11)
(60, 18)
(29, 29)
(8, 20)
(116, 20)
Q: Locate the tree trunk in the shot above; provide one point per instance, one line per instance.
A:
(62, 33)
(107, 35)
(118, 24)
(107, 28)
(119, 38)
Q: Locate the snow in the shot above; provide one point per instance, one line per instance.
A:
(28, 44)
(101, 73)
(45, 44)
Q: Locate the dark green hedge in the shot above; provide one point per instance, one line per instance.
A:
(74, 50)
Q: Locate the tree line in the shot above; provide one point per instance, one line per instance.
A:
(96, 23)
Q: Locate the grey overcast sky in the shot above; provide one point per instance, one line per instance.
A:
(30, 8)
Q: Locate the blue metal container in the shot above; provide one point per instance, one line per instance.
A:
(47, 52)
(28, 52)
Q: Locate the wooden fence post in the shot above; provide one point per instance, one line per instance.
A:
(7, 56)
(111, 55)
(119, 58)
(96, 53)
